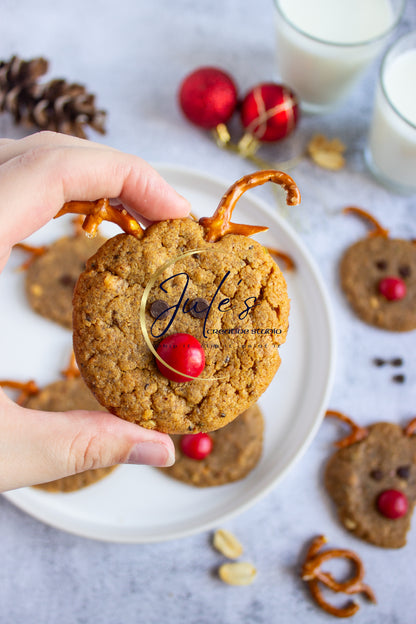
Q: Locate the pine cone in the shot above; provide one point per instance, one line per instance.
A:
(55, 105)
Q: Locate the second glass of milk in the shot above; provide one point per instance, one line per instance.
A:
(324, 46)
(391, 148)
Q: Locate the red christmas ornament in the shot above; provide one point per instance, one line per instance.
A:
(182, 352)
(208, 97)
(269, 112)
(196, 445)
(392, 288)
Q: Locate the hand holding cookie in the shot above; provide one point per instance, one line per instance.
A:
(38, 174)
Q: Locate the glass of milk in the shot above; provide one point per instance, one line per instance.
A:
(391, 148)
(324, 46)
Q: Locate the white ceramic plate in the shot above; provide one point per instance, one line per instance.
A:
(138, 503)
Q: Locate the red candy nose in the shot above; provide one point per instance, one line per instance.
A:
(392, 288)
(392, 504)
(182, 352)
(196, 445)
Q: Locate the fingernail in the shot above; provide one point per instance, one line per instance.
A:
(151, 454)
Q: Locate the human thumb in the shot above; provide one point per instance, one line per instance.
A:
(36, 446)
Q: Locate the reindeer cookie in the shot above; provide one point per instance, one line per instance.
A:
(69, 393)
(52, 272)
(219, 457)
(378, 276)
(372, 480)
(177, 327)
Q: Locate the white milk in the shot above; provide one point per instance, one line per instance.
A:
(324, 45)
(393, 136)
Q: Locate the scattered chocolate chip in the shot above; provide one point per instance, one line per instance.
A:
(222, 415)
(67, 281)
(396, 362)
(403, 472)
(376, 474)
(198, 307)
(381, 264)
(404, 271)
(379, 362)
(227, 359)
(158, 309)
(88, 318)
(398, 378)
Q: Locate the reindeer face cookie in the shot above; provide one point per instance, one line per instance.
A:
(235, 451)
(378, 276)
(372, 480)
(65, 394)
(177, 328)
(52, 275)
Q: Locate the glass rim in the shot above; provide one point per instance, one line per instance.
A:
(336, 44)
(384, 62)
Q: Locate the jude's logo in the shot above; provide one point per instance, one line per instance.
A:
(182, 304)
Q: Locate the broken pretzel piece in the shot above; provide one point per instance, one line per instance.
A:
(219, 224)
(313, 575)
(101, 210)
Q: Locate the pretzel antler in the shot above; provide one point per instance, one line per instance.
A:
(27, 389)
(312, 574)
(72, 370)
(101, 210)
(281, 255)
(358, 433)
(35, 252)
(219, 224)
(411, 428)
(378, 230)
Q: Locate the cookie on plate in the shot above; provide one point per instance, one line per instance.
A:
(75, 482)
(150, 305)
(378, 276)
(61, 396)
(66, 394)
(372, 481)
(236, 450)
(52, 275)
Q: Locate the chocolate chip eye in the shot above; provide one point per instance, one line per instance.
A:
(404, 271)
(159, 309)
(67, 281)
(376, 474)
(403, 472)
(381, 265)
(198, 307)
